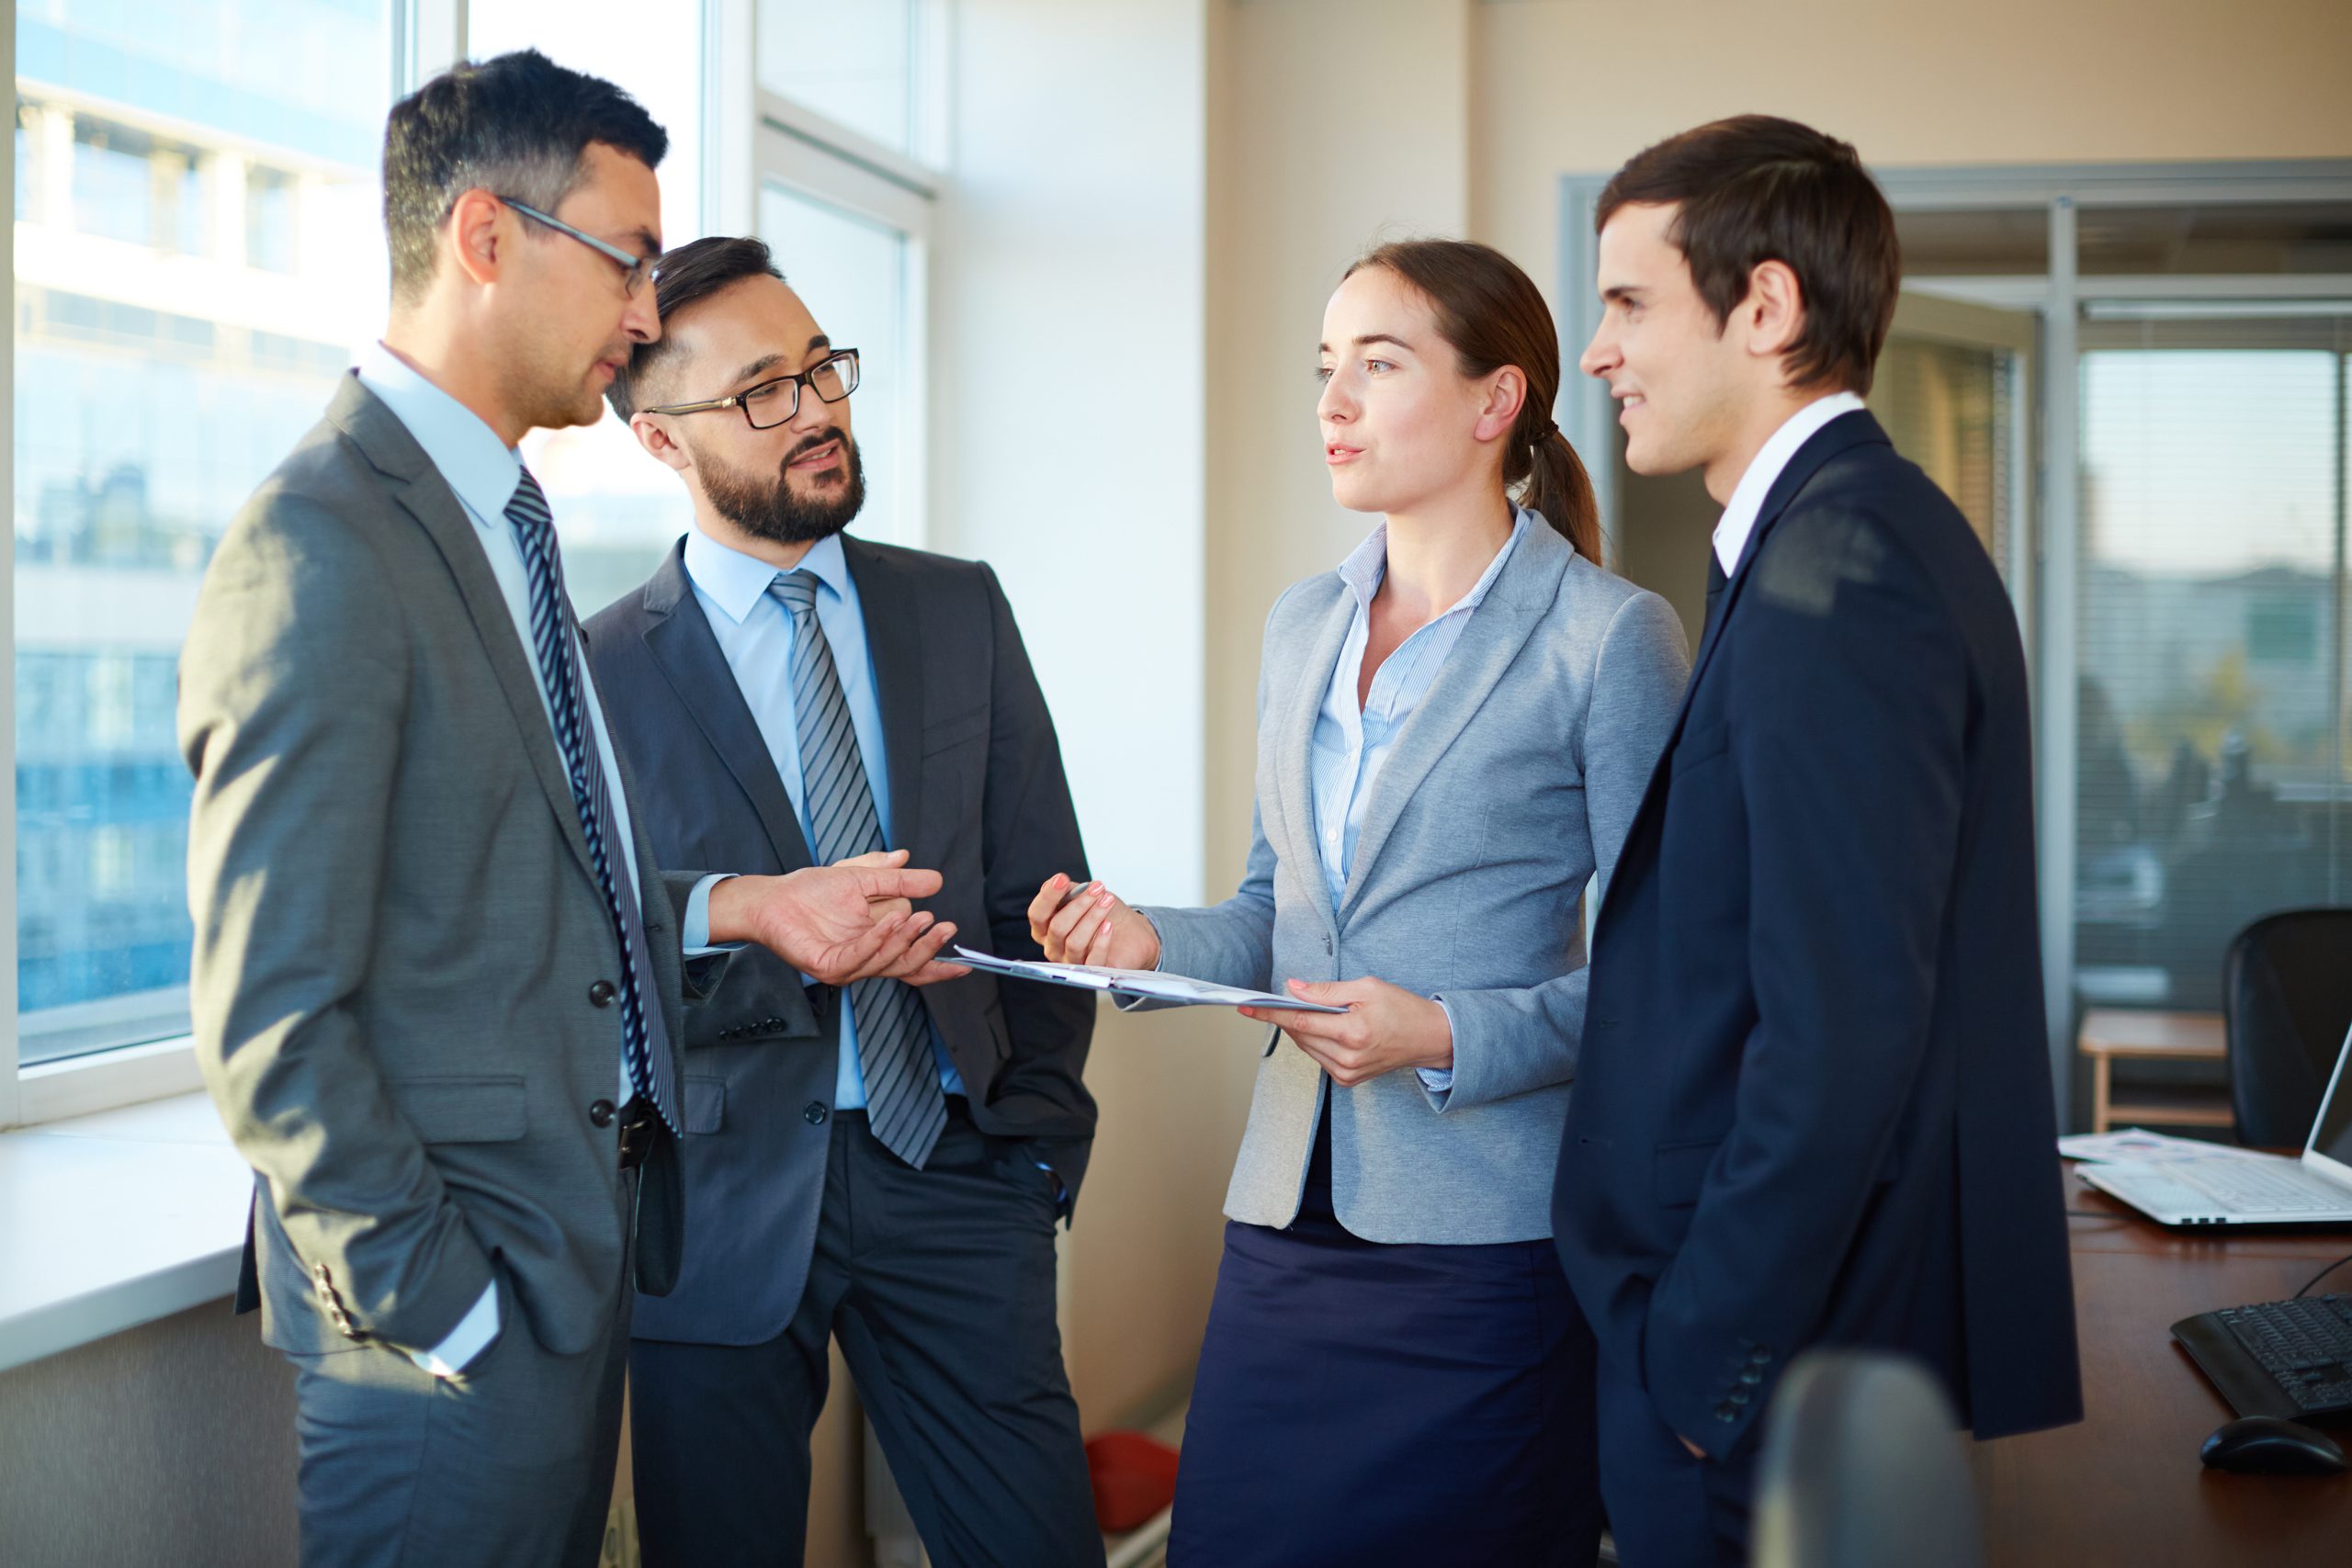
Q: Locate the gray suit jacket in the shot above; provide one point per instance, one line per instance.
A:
(1512, 783)
(397, 926)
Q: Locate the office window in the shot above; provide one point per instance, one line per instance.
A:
(852, 273)
(867, 66)
(2211, 750)
(148, 403)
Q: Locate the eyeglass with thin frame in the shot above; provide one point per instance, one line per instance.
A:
(639, 268)
(771, 403)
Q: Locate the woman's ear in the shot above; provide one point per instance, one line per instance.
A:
(1506, 395)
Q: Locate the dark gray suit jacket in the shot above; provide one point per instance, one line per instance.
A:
(403, 962)
(977, 793)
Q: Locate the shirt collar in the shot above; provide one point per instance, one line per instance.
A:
(1764, 470)
(482, 469)
(1368, 563)
(734, 581)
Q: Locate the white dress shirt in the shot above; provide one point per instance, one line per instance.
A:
(484, 472)
(1764, 470)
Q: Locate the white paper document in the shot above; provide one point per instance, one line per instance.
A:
(2140, 1146)
(1180, 991)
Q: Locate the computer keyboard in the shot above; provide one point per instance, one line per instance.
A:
(2259, 1186)
(2305, 1344)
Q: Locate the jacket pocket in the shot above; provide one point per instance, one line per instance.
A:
(1679, 1169)
(947, 733)
(488, 1109)
(706, 1107)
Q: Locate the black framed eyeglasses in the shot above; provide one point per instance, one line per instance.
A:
(771, 403)
(639, 268)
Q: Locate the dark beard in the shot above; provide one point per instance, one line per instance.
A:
(768, 510)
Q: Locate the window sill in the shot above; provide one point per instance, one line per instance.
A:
(113, 1220)
(106, 1080)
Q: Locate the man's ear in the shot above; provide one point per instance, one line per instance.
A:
(656, 438)
(1505, 394)
(1771, 318)
(473, 235)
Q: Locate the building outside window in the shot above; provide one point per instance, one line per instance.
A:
(198, 254)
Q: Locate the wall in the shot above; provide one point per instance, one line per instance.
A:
(172, 1443)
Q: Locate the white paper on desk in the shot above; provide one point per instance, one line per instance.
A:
(1181, 990)
(2141, 1146)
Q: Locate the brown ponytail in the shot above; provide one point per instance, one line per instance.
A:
(1493, 315)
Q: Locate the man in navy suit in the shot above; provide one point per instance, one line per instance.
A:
(1814, 1104)
(881, 1164)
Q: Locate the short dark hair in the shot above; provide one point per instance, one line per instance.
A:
(516, 125)
(1755, 188)
(691, 273)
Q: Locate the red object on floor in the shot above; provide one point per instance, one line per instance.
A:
(1133, 1476)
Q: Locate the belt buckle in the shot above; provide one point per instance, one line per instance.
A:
(637, 1135)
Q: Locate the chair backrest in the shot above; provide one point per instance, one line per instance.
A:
(1863, 1465)
(2287, 1001)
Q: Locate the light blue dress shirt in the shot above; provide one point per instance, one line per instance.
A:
(1351, 743)
(754, 634)
(484, 472)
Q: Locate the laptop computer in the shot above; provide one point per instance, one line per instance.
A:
(2238, 1189)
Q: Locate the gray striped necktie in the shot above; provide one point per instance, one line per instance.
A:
(903, 1101)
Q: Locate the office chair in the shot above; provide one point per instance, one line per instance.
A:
(2286, 1003)
(1863, 1465)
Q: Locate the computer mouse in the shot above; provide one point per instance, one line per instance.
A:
(2268, 1445)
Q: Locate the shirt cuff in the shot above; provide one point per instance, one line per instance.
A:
(468, 1340)
(694, 932)
(1438, 1081)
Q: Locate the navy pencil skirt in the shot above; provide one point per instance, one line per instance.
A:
(1363, 1404)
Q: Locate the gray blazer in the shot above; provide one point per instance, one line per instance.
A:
(1511, 785)
(402, 961)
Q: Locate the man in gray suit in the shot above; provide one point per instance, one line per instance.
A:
(871, 1164)
(437, 977)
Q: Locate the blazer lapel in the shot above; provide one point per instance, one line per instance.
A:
(1497, 630)
(1296, 705)
(427, 496)
(683, 646)
(887, 598)
(1847, 431)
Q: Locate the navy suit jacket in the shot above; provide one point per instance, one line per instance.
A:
(1815, 1101)
(977, 793)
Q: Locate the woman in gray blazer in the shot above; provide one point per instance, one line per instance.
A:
(1453, 731)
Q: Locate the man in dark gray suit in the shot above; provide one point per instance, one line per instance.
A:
(437, 977)
(872, 1163)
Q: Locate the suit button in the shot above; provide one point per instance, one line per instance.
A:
(1751, 1377)
(816, 1112)
(1739, 1396)
(1760, 1355)
(1725, 1412)
(601, 993)
(600, 1113)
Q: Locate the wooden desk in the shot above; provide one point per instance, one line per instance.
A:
(2111, 1032)
(2124, 1485)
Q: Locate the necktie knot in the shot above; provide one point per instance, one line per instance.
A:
(795, 590)
(527, 510)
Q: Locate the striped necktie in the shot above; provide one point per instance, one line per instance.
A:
(645, 1039)
(904, 1103)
